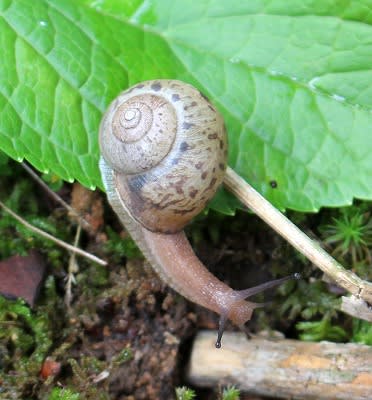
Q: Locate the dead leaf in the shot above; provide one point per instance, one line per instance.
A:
(21, 276)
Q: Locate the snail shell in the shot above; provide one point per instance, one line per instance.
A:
(167, 146)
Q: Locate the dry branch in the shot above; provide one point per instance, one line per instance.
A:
(283, 368)
(298, 239)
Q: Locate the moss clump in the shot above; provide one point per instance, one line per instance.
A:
(26, 338)
(63, 394)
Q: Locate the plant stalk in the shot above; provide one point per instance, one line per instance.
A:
(298, 239)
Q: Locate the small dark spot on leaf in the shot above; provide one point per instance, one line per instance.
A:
(221, 144)
(199, 164)
(221, 166)
(212, 136)
(274, 184)
(204, 174)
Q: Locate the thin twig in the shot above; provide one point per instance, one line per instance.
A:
(46, 235)
(298, 239)
(10, 323)
(55, 196)
(72, 269)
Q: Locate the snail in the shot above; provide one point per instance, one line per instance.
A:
(164, 155)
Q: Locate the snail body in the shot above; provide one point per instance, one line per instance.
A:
(164, 155)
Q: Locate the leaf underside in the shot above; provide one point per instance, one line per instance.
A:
(292, 80)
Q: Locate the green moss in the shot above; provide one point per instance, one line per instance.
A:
(312, 302)
(324, 329)
(231, 393)
(309, 299)
(124, 356)
(63, 394)
(96, 278)
(15, 237)
(350, 237)
(184, 393)
(362, 332)
(26, 337)
(83, 371)
(119, 248)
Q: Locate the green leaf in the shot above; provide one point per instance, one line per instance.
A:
(292, 80)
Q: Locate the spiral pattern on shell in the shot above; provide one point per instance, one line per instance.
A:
(167, 147)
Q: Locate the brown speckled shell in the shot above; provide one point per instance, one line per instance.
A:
(168, 173)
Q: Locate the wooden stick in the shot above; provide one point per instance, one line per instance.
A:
(356, 307)
(283, 368)
(298, 239)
